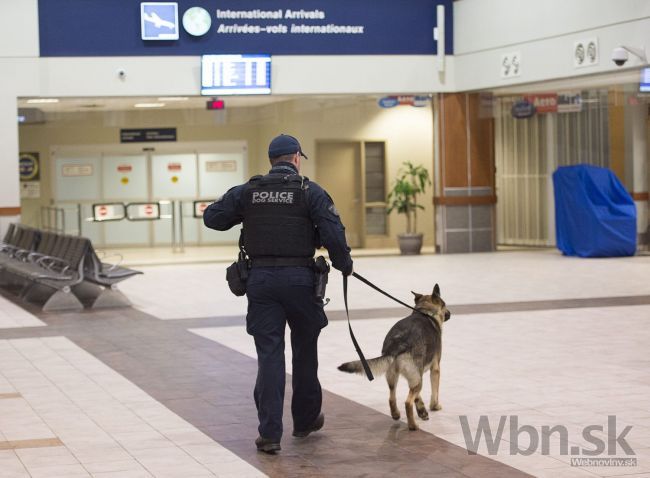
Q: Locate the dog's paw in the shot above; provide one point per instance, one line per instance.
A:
(435, 407)
(423, 414)
(396, 415)
(414, 427)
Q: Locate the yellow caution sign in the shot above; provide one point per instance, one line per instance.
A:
(124, 180)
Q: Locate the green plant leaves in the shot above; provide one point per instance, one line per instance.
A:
(411, 180)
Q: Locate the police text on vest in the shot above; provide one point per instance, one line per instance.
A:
(276, 197)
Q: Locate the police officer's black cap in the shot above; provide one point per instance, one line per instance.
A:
(284, 144)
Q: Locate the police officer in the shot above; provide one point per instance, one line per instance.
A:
(285, 217)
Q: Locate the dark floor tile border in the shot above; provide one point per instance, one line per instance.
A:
(458, 309)
(210, 386)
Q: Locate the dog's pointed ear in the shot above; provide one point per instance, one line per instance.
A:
(417, 296)
(436, 291)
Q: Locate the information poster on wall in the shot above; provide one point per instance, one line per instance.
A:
(29, 166)
(76, 170)
(30, 175)
(220, 166)
(30, 190)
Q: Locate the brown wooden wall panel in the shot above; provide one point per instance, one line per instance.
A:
(453, 140)
(481, 132)
(464, 132)
(9, 211)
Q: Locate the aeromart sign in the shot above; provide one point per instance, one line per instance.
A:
(280, 27)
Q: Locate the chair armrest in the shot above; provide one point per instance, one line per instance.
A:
(22, 254)
(112, 266)
(9, 248)
(50, 262)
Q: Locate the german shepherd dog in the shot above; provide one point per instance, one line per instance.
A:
(412, 346)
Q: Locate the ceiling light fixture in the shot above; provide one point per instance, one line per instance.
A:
(149, 105)
(42, 100)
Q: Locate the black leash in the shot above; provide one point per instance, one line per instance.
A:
(367, 282)
(364, 362)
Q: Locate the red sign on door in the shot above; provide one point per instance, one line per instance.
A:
(102, 210)
(124, 168)
(200, 207)
(174, 167)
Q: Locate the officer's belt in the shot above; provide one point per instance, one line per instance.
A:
(282, 261)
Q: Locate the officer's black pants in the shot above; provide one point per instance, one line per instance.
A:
(276, 296)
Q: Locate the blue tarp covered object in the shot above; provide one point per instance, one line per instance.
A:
(594, 215)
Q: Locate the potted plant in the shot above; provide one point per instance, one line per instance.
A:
(411, 180)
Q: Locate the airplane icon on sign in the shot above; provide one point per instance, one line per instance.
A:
(157, 21)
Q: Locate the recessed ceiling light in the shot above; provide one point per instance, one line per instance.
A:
(149, 105)
(174, 98)
(43, 100)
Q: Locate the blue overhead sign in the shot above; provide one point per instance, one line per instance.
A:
(277, 27)
(159, 20)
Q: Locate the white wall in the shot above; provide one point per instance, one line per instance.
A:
(487, 24)
(544, 33)
(19, 27)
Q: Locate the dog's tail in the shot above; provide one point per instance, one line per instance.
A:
(378, 365)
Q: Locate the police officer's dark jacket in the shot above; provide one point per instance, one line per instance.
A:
(284, 215)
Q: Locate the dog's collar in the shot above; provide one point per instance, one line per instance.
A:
(426, 313)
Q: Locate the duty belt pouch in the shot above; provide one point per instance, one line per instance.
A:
(237, 272)
(322, 269)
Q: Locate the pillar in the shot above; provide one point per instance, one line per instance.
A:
(465, 196)
(9, 182)
(638, 160)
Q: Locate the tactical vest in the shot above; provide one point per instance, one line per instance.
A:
(276, 217)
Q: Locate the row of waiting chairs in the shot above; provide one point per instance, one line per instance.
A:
(59, 271)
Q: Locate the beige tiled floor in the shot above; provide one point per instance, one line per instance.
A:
(13, 316)
(107, 425)
(569, 367)
(200, 290)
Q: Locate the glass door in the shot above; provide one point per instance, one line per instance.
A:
(125, 179)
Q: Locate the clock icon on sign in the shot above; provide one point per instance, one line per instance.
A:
(197, 21)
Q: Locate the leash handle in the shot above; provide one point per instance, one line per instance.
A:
(364, 362)
(368, 283)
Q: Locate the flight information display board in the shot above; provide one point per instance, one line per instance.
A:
(236, 74)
